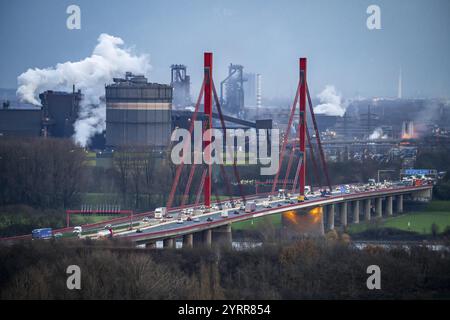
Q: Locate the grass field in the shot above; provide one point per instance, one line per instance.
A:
(437, 212)
(255, 223)
(84, 219)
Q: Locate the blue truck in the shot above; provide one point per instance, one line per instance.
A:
(43, 233)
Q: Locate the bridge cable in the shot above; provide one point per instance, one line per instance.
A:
(180, 166)
(283, 147)
(235, 170)
(319, 143)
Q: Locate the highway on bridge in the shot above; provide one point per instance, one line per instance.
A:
(158, 229)
(213, 219)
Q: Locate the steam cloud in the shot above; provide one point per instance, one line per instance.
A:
(108, 60)
(331, 102)
(378, 134)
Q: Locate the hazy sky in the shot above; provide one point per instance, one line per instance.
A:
(266, 37)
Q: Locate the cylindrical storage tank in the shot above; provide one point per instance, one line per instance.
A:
(138, 113)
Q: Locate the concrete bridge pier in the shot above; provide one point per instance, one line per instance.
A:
(379, 207)
(423, 195)
(428, 194)
(343, 214)
(330, 212)
(367, 204)
(150, 245)
(207, 238)
(223, 235)
(389, 206)
(322, 221)
(355, 208)
(188, 240)
(169, 243)
(400, 203)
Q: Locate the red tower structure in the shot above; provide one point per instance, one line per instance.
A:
(208, 62)
(302, 124)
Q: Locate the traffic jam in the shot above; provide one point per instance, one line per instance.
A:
(162, 219)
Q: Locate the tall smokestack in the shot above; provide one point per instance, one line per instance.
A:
(399, 94)
(404, 129)
(411, 129)
(408, 130)
(258, 90)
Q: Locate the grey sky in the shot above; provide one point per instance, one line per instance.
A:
(266, 37)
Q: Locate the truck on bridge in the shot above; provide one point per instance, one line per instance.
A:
(250, 206)
(160, 212)
(43, 233)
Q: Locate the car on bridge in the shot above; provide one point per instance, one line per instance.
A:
(325, 193)
(266, 204)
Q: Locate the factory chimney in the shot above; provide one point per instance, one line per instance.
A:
(408, 130)
(258, 90)
(399, 94)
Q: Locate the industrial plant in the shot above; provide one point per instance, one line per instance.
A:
(140, 113)
(215, 151)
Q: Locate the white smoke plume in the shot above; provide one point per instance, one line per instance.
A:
(331, 102)
(377, 134)
(109, 59)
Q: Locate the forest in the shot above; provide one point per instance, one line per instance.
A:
(304, 269)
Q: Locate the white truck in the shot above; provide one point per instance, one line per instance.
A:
(281, 194)
(102, 234)
(307, 190)
(250, 206)
(160, 212)
(77, 230)
(224, 214)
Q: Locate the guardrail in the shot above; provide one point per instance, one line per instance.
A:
(90, 226)
(307, 204)
(246, 216)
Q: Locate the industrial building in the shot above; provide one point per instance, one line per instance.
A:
(181, 84)
(138, 113)
(59, 112)
(232, 99)
(55, 118)
(23, 122)
(252, 89)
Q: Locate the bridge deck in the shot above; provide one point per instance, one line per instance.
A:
(174, 229)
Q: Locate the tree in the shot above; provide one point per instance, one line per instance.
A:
(40, 172)
(434, 229)
(122, 164)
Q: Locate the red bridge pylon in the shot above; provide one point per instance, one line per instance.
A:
(302, 96)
